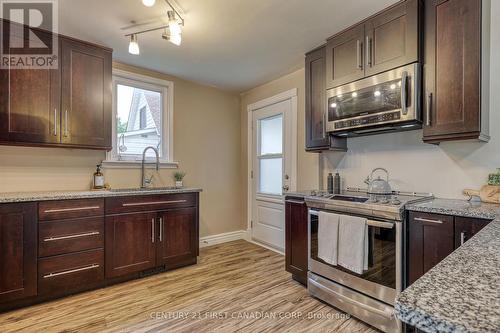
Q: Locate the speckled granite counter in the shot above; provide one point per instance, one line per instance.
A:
(461, 293)
(10, 197)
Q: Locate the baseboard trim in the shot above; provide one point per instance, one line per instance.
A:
(253, 241)
(222, 238)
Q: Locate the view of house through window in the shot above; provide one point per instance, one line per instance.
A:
(138, 121)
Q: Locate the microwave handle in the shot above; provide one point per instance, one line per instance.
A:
(404, 79)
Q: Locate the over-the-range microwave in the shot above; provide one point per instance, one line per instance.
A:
(389, 101)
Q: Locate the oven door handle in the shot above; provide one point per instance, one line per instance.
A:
(371, 223)
(351, 301)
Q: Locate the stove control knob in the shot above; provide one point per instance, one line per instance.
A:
(313, 193)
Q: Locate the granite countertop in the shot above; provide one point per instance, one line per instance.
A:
(462, 292)
(10, 197)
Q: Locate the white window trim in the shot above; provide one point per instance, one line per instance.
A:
(151, 83)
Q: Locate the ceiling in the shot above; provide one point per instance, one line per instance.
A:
(230, 44)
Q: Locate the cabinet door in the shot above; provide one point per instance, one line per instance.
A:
(315, 68)
(29, 103)
(392, 38)
(86, 95)
(18, 269)
(344, 57)
(130, 243)
(466, 227)
(178, 239)
(431, 239)
(452, 69)
(296, 238)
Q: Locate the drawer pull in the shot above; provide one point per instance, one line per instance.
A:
(81, 269)
(60, 210)
(51, 239)
(133, 204)
(428, 220)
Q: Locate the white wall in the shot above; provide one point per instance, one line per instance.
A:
(444, 170)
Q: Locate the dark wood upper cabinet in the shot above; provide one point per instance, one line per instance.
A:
(344, 57)
(130, 243)
(30, 104)
(18, 251)
(385, 41)
(454, 39)
(68, 106)
(431, 239)
(177, 236)
(392, 38)
(296, 238)
(317, 139)
(86, 94)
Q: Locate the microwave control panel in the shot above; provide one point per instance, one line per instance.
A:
(375, 119)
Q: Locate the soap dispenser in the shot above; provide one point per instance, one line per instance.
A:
(98, 178)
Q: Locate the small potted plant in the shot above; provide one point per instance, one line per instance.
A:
(179, 176)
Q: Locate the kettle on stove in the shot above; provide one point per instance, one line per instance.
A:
(378, 186)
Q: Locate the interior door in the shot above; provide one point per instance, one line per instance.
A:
(86, 95)
(272, 150)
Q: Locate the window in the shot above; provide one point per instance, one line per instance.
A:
(142, 108)
(270, 155)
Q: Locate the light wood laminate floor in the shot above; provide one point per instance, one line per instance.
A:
(236, 286)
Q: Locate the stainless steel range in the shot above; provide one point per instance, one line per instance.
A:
(369, 296)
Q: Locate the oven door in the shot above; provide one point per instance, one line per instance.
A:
(382, 280)
(386, 98)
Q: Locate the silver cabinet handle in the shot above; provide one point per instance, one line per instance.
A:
(295, 202)
(153, 230)
(428, 110)
(55, 122)
(404, 79)
(66, 123)
(132, 204)
(369, 51)
(86, 268)
(87, 234)
(358, 53)
(161, 229)
(428, 220)
(462, 238)
(61, 210)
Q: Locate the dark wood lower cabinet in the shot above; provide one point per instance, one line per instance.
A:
(296, 238)
(466, 227)
(431, 240)
(130, 243)
(178, 236)
(18, 234)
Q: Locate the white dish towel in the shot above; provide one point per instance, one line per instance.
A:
(353, 243)
(328, 235)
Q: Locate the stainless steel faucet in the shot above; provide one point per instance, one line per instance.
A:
(146, 182)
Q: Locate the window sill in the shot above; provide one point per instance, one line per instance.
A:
(138, 164)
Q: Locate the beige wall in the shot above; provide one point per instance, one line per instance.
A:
(206, 145)
(307, 165)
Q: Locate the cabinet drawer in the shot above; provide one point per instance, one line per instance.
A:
(68, 209)
(71, 272)
(150, 202)
(66, 236)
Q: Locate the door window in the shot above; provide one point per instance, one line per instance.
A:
(270, 154)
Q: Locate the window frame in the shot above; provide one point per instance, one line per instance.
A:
(166, 89)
